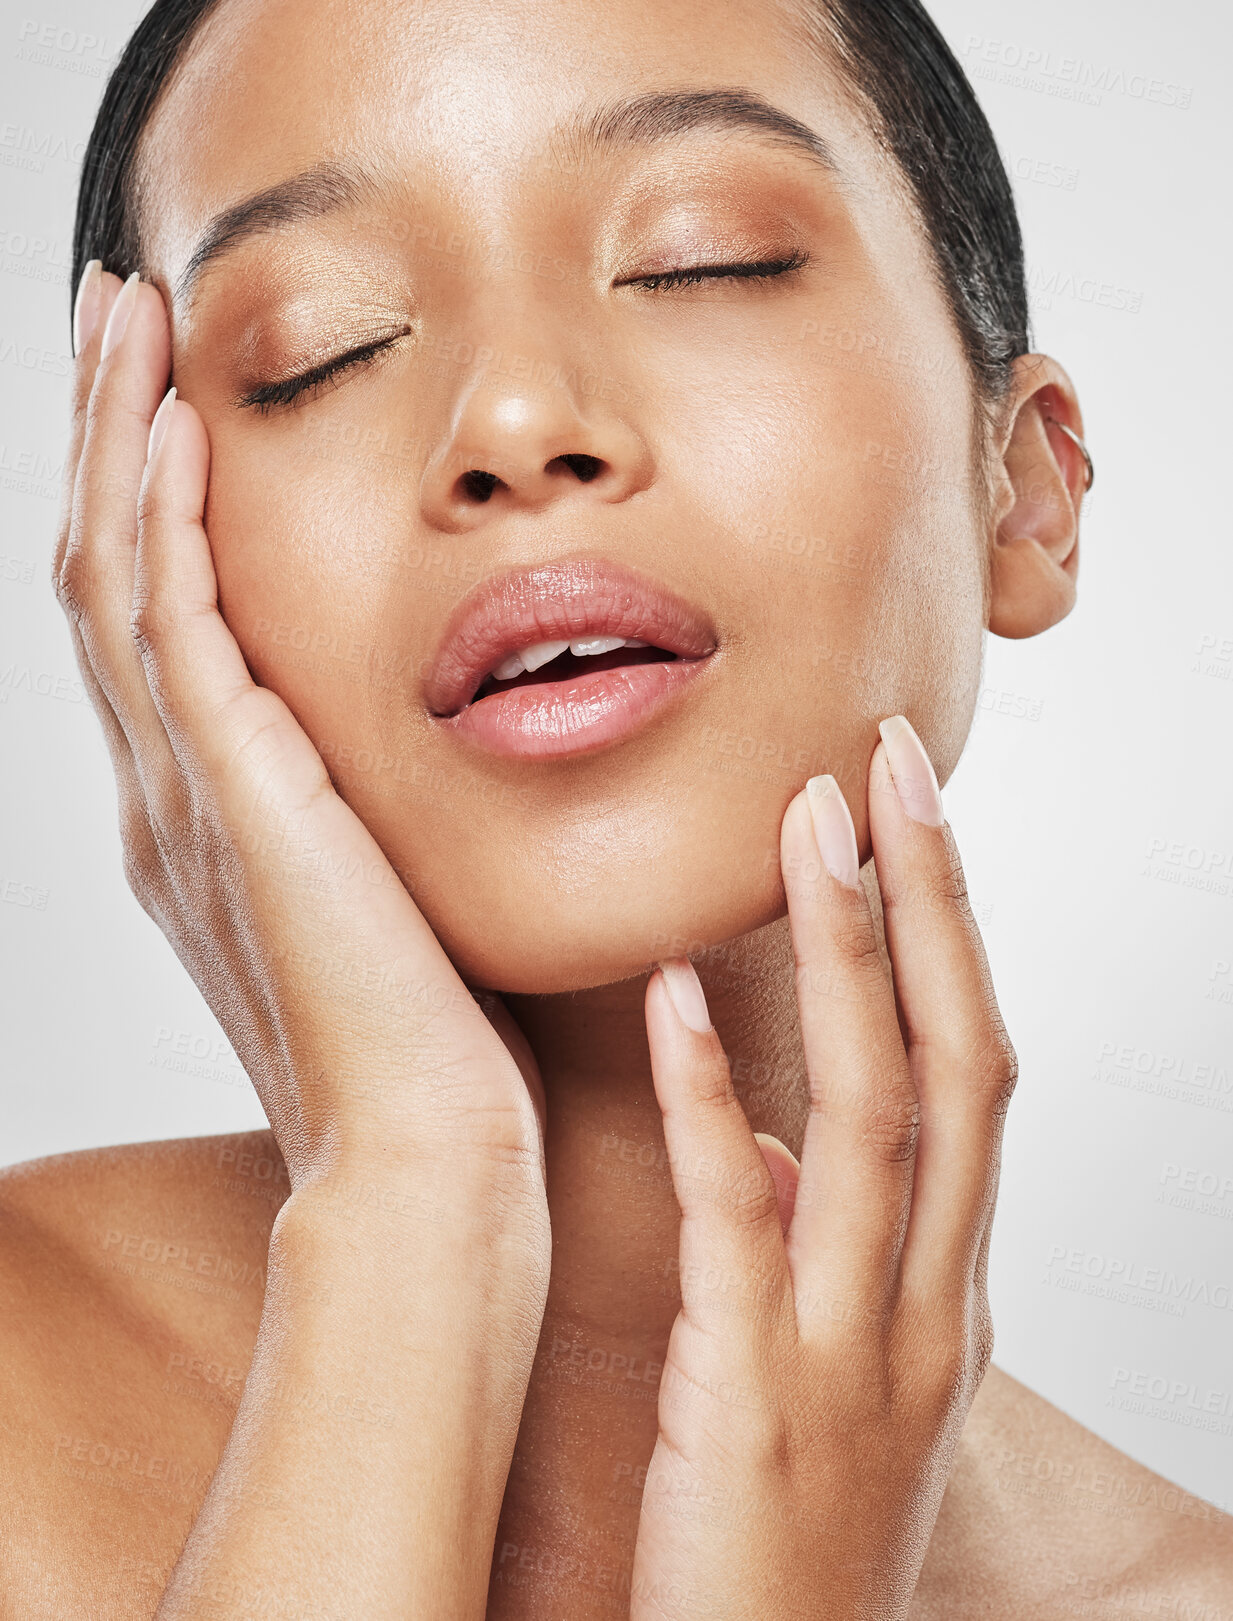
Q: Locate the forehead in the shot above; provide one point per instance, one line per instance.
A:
(465, 93)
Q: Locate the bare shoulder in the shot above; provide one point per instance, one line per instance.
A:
(169, 1237)
(74, 1194)
(1044, 1519)
(131, 1287)
(169, 1229)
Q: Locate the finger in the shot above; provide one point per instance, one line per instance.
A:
(238, 742)
(961, 1059)
(96, 577)
(191, 664)
(785, 1171)
(857, 1161)
(95, 297)
(731, 1241)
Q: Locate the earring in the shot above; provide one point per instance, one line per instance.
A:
(1083, 451)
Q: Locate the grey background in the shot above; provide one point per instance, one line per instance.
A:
(1092, 805)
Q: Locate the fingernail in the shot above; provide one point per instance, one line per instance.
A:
(120, 312)
(159, 426)
(686, 993)
(912, 771)
(833, 829)
(87, 304)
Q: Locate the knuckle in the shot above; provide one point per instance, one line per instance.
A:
(950, 1373)
(855, 939)
(138, 854)
(71, 585)
(950, 885)
(960, 1352)
(147, 854)
(136, 832)
(998, 1065)
(941, 887)
(750, 1199)
(769, 1437)
(147, 624)
(982, 1338)
(890, 1124)
(151, 505)
(713, 1088)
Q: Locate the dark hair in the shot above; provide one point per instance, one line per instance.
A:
(896, 62)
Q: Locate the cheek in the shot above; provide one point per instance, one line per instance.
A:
(841, 535)
(821, 511)
(311, 582)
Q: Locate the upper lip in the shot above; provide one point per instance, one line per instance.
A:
(558, 601)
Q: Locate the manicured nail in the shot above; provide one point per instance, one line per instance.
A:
(120, 312)
(87, 304)
(912, 771)
(833, 829)
(686, 993)
(159, 426)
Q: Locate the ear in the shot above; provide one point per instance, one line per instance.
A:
(1034, 560)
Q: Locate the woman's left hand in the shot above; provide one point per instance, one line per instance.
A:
(834, 1324)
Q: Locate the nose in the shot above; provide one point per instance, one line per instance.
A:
(527, 443)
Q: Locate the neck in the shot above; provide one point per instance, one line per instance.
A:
(590, 1418)
(614, 1212)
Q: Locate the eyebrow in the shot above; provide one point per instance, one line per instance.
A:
(658, 115)
(324, 189)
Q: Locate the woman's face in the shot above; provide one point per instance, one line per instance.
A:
(789, 454)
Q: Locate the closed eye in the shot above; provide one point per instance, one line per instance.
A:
(291, 389)
(692, 275)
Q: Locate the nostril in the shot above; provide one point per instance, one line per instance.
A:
(583, 467)
(478, 484)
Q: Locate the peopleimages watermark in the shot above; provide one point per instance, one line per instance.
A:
(72, 50)
(1119, 1278)
(1171, 1075)
(1181, 1402)
(1070, 77)
(1183, 1392)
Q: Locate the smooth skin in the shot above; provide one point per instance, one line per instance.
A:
(833, 1327)
(439, 1414)
(228, 811)
(835, 1323)
(834, 1362)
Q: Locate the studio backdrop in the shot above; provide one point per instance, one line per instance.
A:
(1093, 803)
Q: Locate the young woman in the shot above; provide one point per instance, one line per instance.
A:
(600, 440)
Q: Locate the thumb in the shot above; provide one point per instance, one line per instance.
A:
(511, 1033)
(785, 1169)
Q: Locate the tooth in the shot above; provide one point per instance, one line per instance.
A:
(585, 646)
(540, 653)
(509, 668)
(630, 641)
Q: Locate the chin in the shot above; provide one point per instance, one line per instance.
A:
(547, 944)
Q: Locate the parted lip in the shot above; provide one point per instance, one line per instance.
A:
(557, 601)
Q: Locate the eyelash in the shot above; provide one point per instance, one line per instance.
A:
(294, 389)
(693, 275)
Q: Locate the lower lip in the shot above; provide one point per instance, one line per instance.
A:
(573, 717)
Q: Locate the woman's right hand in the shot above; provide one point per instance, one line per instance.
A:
(376, 1066)
(360, 1037)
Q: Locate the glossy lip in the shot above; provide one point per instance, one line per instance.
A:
(556, 602)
